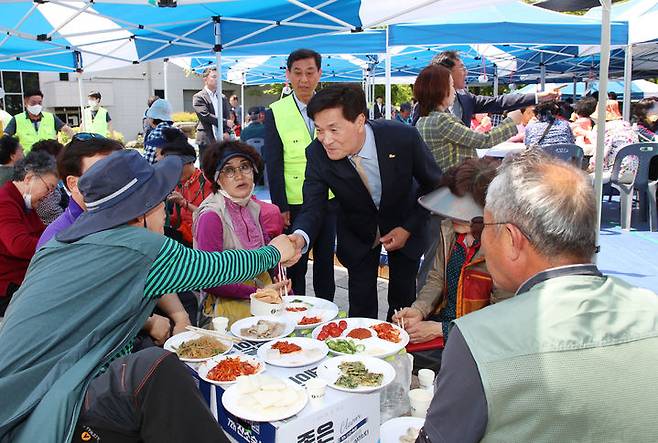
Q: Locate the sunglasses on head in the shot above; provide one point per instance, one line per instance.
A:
(84, 136)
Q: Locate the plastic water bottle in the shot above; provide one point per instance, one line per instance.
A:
(394, 398)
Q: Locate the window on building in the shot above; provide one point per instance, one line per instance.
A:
(70, 116)
(15, 84)
(63, 76)
(159, 93)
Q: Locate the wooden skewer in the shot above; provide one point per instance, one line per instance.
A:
(214, 334)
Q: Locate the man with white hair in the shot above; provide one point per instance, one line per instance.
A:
(573, 355)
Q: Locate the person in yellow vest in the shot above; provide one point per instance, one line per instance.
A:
(96, 117)
(572, 356)
(288, 131)
(35, 124)
(5, 117)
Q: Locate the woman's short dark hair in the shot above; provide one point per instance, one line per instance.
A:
(585, 106)
(32, 93)
(641, 110)
(303, 54)
(69, 161)
(547, 111)
(215, 152)
(471, 176)
(350, 98)
(51, 146)
(431, 88)
(39, 163)
(8, 147)
(176, 143)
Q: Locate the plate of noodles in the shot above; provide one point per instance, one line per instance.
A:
(195, 348)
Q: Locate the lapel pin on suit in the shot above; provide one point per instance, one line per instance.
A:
(391, 155)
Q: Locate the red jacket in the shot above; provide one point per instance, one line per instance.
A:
(20, 230)
(194, 190)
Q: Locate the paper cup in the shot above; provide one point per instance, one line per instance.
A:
(420, 400)
(220, 324)
(316, 389)
(426, 378)
(261, 308)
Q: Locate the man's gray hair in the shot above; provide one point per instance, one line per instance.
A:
(551, 201)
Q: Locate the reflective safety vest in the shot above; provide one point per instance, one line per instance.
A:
(97, 125)
(27, 135)
(295, 137)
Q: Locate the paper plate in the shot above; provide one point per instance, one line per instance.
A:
(234, 402)
(210, 364)
(329, 371)
(315, 307)
(250, 321)
(312, 351)
(374, 346)
(174, 342)
(392, 430)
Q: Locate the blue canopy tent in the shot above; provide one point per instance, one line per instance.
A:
(639, 88)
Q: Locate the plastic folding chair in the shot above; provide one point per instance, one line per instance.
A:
(645, 188)
(568, 152)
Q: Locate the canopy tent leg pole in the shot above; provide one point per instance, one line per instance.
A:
(218, 63)
(78, 68)
(575, 84)
(542, 74)
(83, 120)
(165, 64)
(603, 97)
(628, 81)
(244, 77)
(388, 78)
(495, 81)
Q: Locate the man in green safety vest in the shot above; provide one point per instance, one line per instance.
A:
(95, 118)
(34, 124)
(288, 131)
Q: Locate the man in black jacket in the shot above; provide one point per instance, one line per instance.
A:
(377, 170)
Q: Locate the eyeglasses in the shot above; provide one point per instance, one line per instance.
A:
(244, 168)
(50, 187)
(478, 225)
(84, 136)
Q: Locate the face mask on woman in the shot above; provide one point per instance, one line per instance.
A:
(240, 201)
(27, 197)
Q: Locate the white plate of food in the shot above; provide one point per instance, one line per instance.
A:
(225, 369)
(401, 430)
(262, 328)
(309, 312)
(362, 336)
(196, 348)
(293, 352)
(352, 373)
(264, 398)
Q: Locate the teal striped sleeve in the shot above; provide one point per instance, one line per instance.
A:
(178, 268)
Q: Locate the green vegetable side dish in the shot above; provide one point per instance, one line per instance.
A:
(345, 346)
(355, 374)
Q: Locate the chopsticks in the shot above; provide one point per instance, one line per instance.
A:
(214, 334)
(283, 276)
(400, 323)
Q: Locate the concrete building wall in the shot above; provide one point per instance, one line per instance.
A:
(126, 90)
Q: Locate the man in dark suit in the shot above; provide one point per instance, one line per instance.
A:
(377, 170)
(379, 110)
(205, 103)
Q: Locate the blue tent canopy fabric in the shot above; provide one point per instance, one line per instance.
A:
(507, 23)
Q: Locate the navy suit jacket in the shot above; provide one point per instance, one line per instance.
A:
(407, 170)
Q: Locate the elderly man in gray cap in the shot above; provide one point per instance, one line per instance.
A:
(573, 355)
